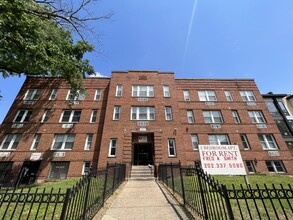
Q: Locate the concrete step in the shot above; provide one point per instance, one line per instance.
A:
(142, 178)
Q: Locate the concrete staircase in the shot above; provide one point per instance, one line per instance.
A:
(141, 173)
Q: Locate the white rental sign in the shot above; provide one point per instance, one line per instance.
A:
(221, 160)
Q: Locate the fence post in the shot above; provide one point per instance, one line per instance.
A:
(228, 204)
(182, 183)
(114, 176)
(201, 192)
(65, 204)
(86, 197)
(172, 177)
(105, 183)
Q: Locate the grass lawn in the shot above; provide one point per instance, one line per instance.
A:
(255, 179)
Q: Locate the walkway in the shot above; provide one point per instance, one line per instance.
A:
(144, 200)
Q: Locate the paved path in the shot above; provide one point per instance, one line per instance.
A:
(144, 200)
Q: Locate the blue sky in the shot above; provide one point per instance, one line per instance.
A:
(193, 39)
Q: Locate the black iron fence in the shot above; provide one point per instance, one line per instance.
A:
(209, 199)
(82, 201)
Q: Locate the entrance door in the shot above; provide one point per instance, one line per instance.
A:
(143, 154)
(29, 172)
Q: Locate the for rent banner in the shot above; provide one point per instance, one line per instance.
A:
(221, 160)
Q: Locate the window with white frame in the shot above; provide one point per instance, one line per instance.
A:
(22, 116)
(275, 166)
(59, 170)
(171, 147)
(250, 166)
(53, 94)
(10, 142)
(94, 116)
(116, 113)
(168, 113)
(212, 117)
(98, 94)
(70, 116)
(207, 95)
(247, 96)
(228, 96)
(32, 94)
(190, 117)
(36, 142)
(194, 141)
(63, 142)
(46, 115)
(220, 139)
(267, 141)
(88, 141)
(78, 95)
(142, 113)
(86, 168)
(119, 89)
(166, 91)
(256, 117)
(236, 117)
(112, 147)
(245, 142)
(142, 91)
(186, 95)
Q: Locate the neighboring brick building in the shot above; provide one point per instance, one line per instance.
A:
(135, 117)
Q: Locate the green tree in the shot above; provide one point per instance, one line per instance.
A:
(36, 40)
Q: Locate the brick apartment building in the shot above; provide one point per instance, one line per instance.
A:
(137, 118)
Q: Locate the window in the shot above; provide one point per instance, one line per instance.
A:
(142, 113)
(245, 142)
(247, 96)
(171, 147)
(166, 91)
(267, 141)
(32, 94)
(272, 107)
(22, 116)
(112, 148)
(194, 141)
(190, 117)
(283, 128)
(36, 142)
(256, 117)
(94, 116)
(10, 142)
(236, 117)
(63, 142)
(5, 170)
(212, 117)
(98, 94)
(221, 139)
(119, 89)
(250, 166)
(228, 96)
(53, 94)
(275, 166)
(207, 96)
(70, 116)
(75, 96)
(116, 114)
(186, 95)
(168, 113)
(59, 170)
(86, 168)
(143, 91)
(283, 108)
(88, 141)
(46, 115)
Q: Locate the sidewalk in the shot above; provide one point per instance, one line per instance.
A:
(144, 200)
